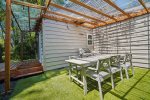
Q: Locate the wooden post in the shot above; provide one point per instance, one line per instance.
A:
(7, 45)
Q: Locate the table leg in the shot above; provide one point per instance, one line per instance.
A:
(84, 80)
(70, 65)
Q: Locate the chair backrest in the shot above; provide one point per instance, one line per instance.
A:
(103, 64)
(128, 58)
(122, 59)
(84, 52)
(115, 60)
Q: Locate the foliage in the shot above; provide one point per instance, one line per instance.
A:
(29, 48)
(29, 40)
(2, 19)
(2, 13)
(39, 2)
(1, 51)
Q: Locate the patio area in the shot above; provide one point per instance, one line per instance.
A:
(55, 85)
(75, 49)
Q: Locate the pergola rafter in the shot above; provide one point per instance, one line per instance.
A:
(92, 9)
(70, 17)
(75, 12)
(116, 7)
(143, 4)
(47, 6)
(66, 21)
(141, 12)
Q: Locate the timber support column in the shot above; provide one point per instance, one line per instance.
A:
(7, 45)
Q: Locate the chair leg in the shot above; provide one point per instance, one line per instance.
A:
(126, 71)
(84, 80)
(112, 81)
(100, 89)
(132, 70)
(77, 74)
(121, 76)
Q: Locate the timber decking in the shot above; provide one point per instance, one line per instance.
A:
(22, 69)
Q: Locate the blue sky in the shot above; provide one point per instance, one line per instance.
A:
(121, 3)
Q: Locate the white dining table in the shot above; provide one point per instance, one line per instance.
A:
(83, 63)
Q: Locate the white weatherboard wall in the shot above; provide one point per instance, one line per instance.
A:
(61, 40)
(132, 36)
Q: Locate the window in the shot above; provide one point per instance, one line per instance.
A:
(89, 39)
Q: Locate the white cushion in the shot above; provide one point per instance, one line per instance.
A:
(103, 75)
(114, 69)
(125, 65)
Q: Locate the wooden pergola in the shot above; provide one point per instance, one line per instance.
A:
(93, 22)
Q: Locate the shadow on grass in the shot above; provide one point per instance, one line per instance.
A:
(133, 86)
(106, 85)
(25, 83)
(93, 85)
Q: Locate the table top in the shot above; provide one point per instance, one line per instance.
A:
(90, 59)
(77, 61)
(95, 58)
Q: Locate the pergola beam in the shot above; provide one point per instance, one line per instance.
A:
(7, 45)
(47, 6)
(28, 4)
(143, 4)
(63, 20)
(92, 9)
(57, 19)
(69, 17)
(116, 7)
(75, 12)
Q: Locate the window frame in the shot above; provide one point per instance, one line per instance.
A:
(89, 39)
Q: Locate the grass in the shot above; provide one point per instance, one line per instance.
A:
(55, 85)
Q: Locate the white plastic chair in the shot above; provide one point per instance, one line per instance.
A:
(115, 65)
(127, 63)
(100, 73)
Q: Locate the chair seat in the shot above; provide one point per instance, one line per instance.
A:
(114, 69)
(93, 74)
(126, 66)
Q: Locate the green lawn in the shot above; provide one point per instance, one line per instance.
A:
(55, 85)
